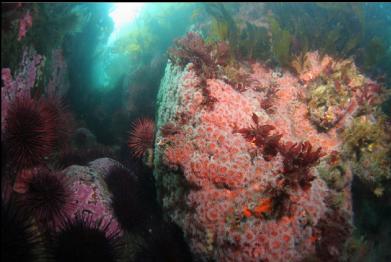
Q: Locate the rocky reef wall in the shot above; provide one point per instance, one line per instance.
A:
(259, 173)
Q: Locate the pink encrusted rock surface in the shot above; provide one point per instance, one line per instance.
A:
(206, 173)
(20, 84)
(103, 165)
(25, 23)
(90, 195)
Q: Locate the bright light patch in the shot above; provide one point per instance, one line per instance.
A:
(123, 14)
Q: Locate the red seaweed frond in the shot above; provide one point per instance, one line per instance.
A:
(271, 145)
(298, 159)
(299, 155)
(272, 90)
(261, 137)
(221, 53)
(267, 105)
(268, 102)
(240, 81)
(191, 49)
(369, 95)
(209, 100)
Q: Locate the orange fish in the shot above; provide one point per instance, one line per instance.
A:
(263, 207)
(246, 212)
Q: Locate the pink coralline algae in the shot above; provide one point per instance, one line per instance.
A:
(90, 196)
(23, 81)
(24, 25)
(240, 180)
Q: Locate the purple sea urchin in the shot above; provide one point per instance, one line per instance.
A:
(83, 239)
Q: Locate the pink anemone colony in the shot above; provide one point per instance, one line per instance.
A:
(240, 177)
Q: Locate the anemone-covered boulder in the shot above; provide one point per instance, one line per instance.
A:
(247, 179)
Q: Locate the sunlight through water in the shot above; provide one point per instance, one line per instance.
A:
(123, 14)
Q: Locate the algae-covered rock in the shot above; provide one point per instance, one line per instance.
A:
(367, 144)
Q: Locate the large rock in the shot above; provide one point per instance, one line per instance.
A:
(90, 193)
(214, 183)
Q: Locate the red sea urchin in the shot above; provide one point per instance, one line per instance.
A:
(83, 239)
(29, 133)
(141, 137)
(126, 199)
(20, 240)
(48, 197)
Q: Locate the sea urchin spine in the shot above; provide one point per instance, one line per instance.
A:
(63, 121)
(126, 199)
(141, 137)
(48, 196)
(29, 133)
(20, 240)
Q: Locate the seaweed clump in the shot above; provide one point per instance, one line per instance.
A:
(333, 171)
(366, 144)
(280, 43)
(248, 39)
(237, 77)
(330, 95)
(193, 49)
(298, 159)
(223, 26)
(209, 60)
